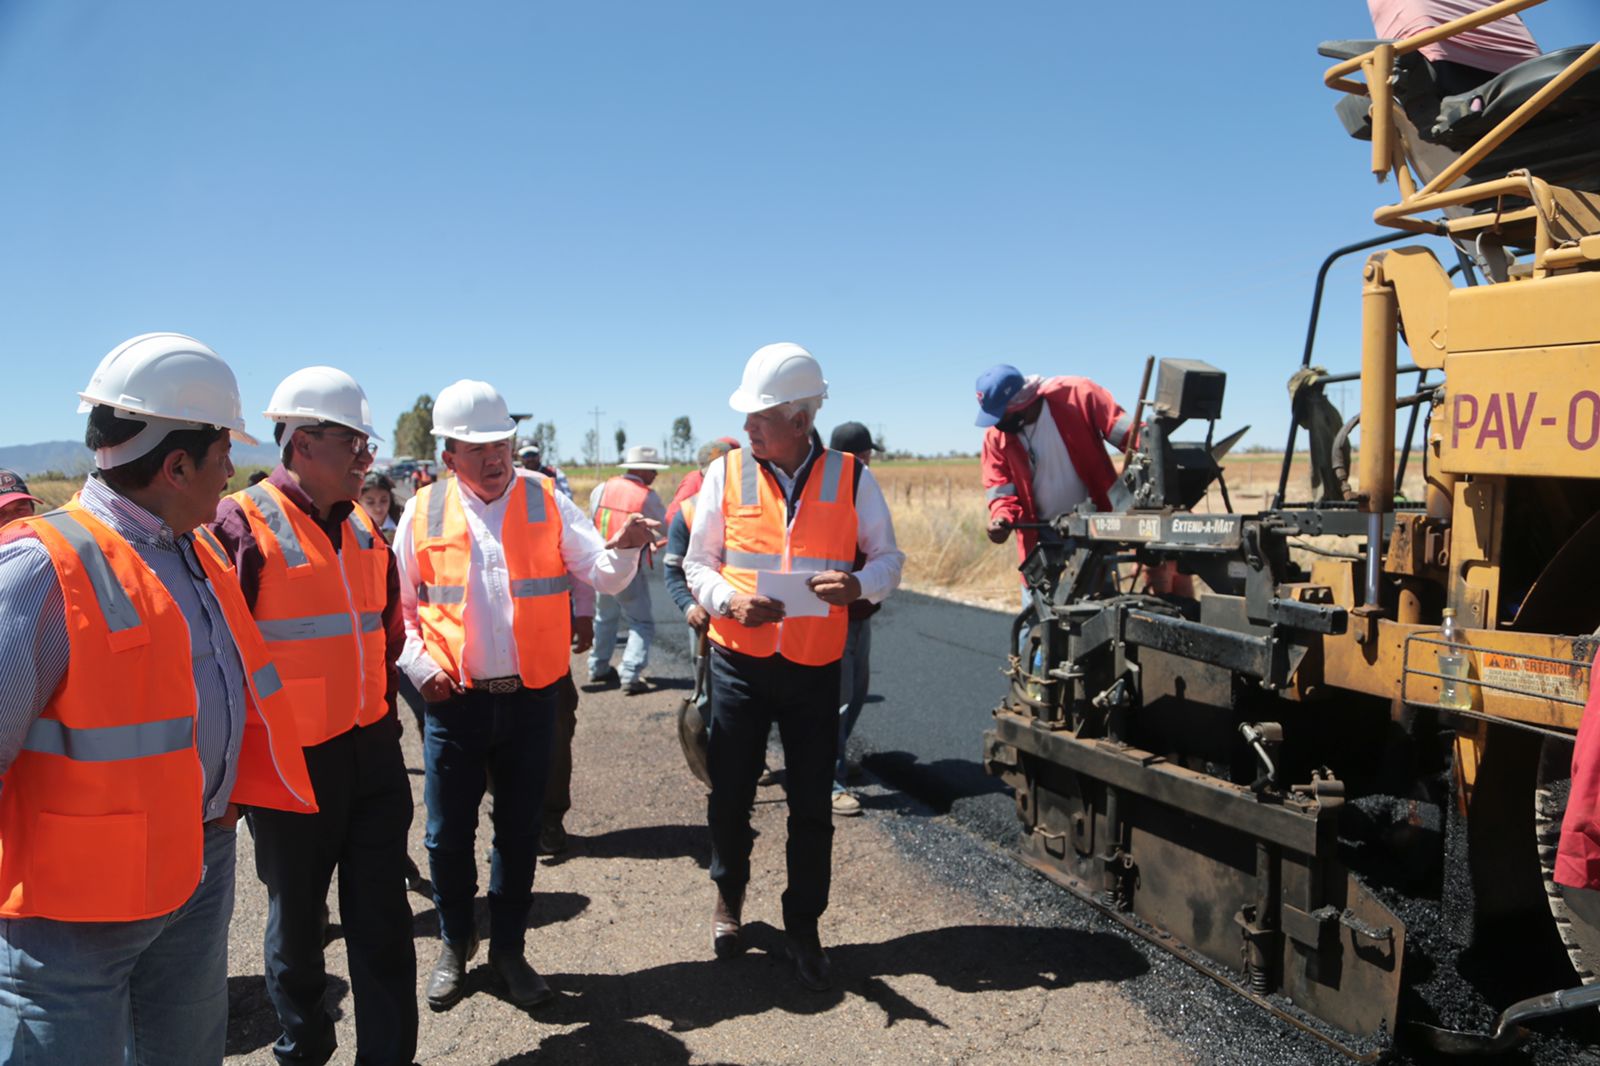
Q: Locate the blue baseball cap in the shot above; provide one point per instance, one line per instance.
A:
(996, 387)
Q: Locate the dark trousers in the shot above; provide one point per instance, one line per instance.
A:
(747, 696)
(360, 828)
(469, 737)
(558, 789)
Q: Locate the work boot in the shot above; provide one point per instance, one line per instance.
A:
(448, 982)
(727, 938)
(846, 804)
(637, 687)
(605, 676)
(552, 839)
(414, 881)
(519, 981)
(811, 964)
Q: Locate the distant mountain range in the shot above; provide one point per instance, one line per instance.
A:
(71, 457)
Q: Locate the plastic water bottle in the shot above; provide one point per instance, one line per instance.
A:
(1454, 692)
(1035, 671)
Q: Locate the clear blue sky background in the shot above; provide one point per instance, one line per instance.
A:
(613, 204)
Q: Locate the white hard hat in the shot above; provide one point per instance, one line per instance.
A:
(778, 373)
(643, 457)
(169, 377)
(472, 411)
(321, 394)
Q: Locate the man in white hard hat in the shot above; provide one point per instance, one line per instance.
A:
(486, 560)
(772, 553)
(138, 708)
(325, 592)
(610, 504)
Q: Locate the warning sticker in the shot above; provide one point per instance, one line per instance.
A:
(1534, 677)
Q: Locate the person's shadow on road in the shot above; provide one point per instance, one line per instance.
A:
(644, 842)
(966, 959)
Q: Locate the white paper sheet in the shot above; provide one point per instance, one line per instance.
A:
(792, 591)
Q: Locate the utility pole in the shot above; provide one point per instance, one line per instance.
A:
(597, 413)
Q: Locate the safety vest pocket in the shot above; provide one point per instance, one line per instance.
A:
(94, 867)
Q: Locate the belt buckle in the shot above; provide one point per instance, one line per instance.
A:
(498, 686)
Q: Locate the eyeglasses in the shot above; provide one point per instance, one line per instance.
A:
(356, 442)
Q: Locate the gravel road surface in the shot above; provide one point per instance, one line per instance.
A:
(927, 970)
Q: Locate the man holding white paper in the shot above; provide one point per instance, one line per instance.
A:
(772, 553)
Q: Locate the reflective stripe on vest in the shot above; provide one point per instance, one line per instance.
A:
(758, 536)
(115, 606)
(277, 521)
(111, 742)
(540, 586)
(100, 816)
(536, 574)
(321, 609)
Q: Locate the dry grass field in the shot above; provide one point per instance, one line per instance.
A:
(940, 515)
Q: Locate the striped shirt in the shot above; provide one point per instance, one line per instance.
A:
(34, 647)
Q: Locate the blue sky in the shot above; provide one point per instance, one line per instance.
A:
(612, 204)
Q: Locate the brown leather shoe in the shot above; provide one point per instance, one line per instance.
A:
(727, 940)
(447, 984)
(811, 965)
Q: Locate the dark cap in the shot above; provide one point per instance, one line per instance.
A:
(852, 437)
(13, 488)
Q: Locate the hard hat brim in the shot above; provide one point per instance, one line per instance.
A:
(644, 466)
(748, 403)
(301, 416)
(467, 436)
(87, 403)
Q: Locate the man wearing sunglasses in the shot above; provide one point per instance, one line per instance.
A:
(324, 590)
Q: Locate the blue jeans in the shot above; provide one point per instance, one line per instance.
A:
(854, 670)
(634, 602)
(468, 737)
(151, 993)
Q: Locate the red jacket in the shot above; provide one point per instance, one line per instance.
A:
(1578, 855)
(689, 486)
(1088, 419)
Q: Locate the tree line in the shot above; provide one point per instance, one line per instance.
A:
(414, 439)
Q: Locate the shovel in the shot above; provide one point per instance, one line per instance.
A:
(1508, 1030)
(693, 730)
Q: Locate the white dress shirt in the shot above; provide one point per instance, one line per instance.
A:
(702, 564)
(491, 649)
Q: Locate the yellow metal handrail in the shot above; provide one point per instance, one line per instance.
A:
(1376, 66)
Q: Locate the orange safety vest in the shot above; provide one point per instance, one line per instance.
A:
(619, 498)
(100, 813)
(758, 537)
(321, 612)
(530, 538)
